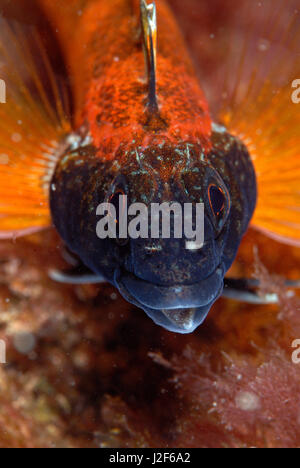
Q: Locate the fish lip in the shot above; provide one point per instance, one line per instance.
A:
(163, 315)
(178, 296)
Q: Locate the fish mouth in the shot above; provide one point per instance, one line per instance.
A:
(178, 308)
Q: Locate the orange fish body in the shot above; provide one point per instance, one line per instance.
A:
(107, 68)
(125, 139)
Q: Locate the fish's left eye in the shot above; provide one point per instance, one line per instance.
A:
(218, 201)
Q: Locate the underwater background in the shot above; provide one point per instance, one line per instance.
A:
(86, 369)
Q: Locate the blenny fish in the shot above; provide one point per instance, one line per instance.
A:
(102, 100)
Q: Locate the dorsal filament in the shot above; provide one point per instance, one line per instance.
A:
(149, 29)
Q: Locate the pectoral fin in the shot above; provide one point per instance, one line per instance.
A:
(246, 290)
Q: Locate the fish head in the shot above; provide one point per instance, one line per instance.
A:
(175, 279)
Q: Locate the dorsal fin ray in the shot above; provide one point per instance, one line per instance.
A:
(149, 29)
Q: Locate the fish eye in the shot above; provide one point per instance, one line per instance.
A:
(219, 205)
(117, 199)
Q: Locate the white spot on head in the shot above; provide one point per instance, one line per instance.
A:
(73, 140)
(218, 128)
(247, 401)
(154, 248)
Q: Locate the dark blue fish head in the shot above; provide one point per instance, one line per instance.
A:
(174, 279)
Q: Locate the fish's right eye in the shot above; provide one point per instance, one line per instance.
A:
(217, 200)
(219, 205)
